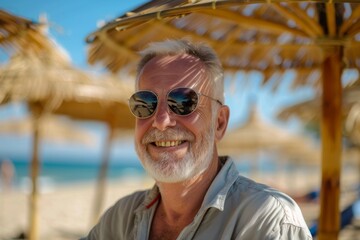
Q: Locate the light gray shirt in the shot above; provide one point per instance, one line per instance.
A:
(234, 207)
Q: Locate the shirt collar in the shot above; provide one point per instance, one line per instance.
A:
(215, 196)
(152, 197)
(219, 188)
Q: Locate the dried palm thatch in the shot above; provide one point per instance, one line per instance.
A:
(317, 39)
(310, 111)
(257, 135)
(103, 100)
(352, 124)
(47, 79)
(51, 80)
(18, 34)
(270, 38)
(51, 129)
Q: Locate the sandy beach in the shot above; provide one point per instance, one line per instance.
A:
(64, 211)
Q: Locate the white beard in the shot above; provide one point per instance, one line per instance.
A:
(169, 169)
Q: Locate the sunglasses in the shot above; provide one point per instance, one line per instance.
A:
(181, 101)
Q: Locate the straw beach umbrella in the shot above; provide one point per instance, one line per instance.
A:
(18, 34)
(41, 74)
(35, 81)
(26, 39)
(42, 82)
(51, 128)
(256, 135)
(310, 111)
(316, 39)
(52, 85)
(112, 110)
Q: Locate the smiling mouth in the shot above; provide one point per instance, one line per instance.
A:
(167, 143)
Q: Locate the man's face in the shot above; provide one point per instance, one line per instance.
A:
(175, 148)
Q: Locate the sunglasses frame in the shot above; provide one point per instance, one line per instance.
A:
(167, 98)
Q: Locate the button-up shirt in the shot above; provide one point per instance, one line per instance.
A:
(234, 207)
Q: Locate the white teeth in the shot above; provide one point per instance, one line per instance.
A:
(167, 143)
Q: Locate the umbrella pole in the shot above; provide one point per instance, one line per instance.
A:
(329, 222)
(35, 165)
(101, 182)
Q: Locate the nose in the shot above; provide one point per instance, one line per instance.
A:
(163, 117)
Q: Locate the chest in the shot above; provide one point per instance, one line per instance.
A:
(211, 225)
(164, 233)
(163, 230)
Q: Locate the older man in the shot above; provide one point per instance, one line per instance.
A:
(181, 116)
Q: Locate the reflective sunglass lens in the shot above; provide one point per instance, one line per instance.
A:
(143, 104)
(182, 101)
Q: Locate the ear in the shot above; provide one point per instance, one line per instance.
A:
(222, 122)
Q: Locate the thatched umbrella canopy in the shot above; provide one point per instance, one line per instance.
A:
(112, 108)
(317, 39)
(46, 79)
(309, 111)
(270, 38)
(258, 140)
(51, 129)
(257, 134)
(18, 34)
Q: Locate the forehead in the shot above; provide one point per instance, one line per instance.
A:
(169, 72)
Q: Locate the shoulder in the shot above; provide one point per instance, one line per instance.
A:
(264, 198)
(259, 193)
(124, 208)
(131, 201)
(118, 220)
(274, 211)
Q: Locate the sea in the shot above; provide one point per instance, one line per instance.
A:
(55, 172)
(60, 170)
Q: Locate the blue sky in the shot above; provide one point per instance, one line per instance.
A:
(70, 22)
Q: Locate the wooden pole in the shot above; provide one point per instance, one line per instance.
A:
(112, 123)
(101, 182)
(329, 222)
(34, 173)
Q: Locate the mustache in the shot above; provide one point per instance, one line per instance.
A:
(154, 135)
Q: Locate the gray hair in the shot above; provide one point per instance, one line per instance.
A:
(200, 50)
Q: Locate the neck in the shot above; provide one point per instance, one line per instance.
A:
(184, 199)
